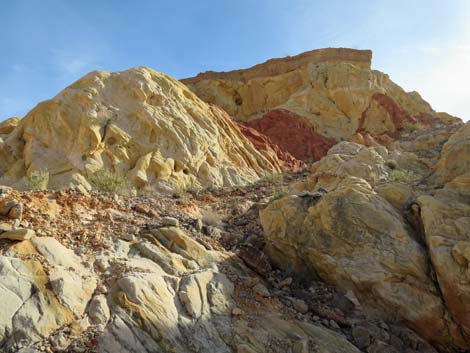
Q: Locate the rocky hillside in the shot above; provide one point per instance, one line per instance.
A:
(138, 123)
(305, 205)
(389, 224)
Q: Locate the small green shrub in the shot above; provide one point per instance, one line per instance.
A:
(279, 193)
(274, 178)
(409, 127)
(402, 175)
(181, 190)
(38, 180)
(106, 181)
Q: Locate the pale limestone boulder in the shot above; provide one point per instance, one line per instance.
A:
(178, 242)
(295, 335)
(206, 291)
(98, 310)
(33, 311)
(18, 234)
(46, 295)
(353, 238)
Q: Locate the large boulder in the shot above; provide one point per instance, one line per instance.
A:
(353, 238)
(455, 156)
(43, 287)
(138, 123)
(446, 223)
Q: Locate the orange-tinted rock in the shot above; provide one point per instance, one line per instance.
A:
(290, 132)
(279, 66)
(394, 117)
(263, 144)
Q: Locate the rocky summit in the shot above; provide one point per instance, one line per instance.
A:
(307, 204)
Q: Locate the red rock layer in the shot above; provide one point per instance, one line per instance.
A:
(398, 115)
(288, 130)
(263, 143)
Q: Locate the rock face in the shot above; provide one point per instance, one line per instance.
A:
(367, 226)
(445, 218)
(287, 130)
(274, 67)
(139, 123)
(455, 157)
(334, 91)
(269, 146)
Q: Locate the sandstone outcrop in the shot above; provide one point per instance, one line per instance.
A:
(455, 157)
(8, 126)
(333, 90)
(265, 142)
(275, 67)
(371, 222)
(138, 123)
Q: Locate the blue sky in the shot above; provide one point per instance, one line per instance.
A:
(45, 45)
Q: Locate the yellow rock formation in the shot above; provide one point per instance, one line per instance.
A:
(138, 123)
(334, 90)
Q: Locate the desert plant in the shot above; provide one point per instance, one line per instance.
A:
(279, 193)
(402, 175)
(274, 178)
(107, 181)
(211, 218)
(409, 127)
(38, 180)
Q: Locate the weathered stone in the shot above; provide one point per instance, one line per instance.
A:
(11, 208)
(170, 222)
(361, 336)
(356, 240)
(455, 157)
(300, 306)
(5, 227)
(261, 290)
(254, 259)
(18, 234)
(446, 224)
(98, 310)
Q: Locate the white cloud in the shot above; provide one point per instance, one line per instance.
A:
(75, 65)
(430, 50)
(73, 62)
(18, 67)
